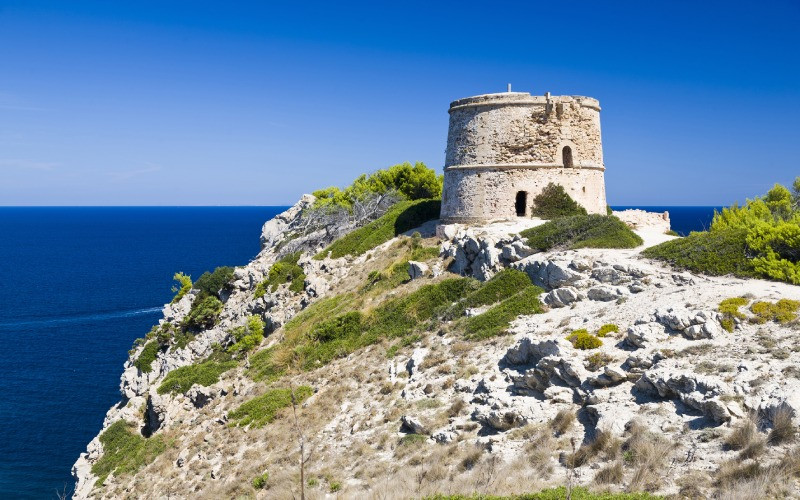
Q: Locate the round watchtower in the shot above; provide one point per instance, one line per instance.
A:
(503, 149)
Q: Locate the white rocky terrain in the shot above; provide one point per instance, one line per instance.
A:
(670, 403)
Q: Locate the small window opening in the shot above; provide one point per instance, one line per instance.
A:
(520, 204)
(566, 155)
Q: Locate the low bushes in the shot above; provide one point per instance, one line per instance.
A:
(402, 217)
(495, 321)
(260, 482)
(783, 311)
(582, 231)
(125, 451)
(212, 283)
(501, 286)
(554, 202)
(762, 239)
(247, 337)
(262, 410)
(204, 313)
(185, 283)
(145, 360)
(409, 182)
(606, 329)
(715, 253)
(283, 271)
(207, 373)
(582, 339)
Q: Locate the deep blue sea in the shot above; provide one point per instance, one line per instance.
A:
(77, 286)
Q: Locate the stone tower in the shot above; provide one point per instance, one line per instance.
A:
(503, 149)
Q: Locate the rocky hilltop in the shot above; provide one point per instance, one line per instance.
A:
(453, 359)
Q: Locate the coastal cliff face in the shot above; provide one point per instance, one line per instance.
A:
(681, 395)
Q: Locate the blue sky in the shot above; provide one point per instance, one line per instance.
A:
(238, 103)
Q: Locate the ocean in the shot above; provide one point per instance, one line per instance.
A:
(77, 286)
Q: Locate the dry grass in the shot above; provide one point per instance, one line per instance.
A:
(601, 443)
(562, 422)
(743, 433)
(783, 429)
(470, 458)
(610, 474)
(648, 453)
(456, 408)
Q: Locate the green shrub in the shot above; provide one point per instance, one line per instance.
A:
(204, 313)
(125, 451)
(269, 364)
(554, 202)
(501, 286)
(729, 309)
(410, 182)
(400, 218)
(212, 283)
(783, 311)
(260, 482)
(606, 329)
(247, 337)
(262, 410)
(185, 283)
(715, 253)
(145, 360)
(334, 338)
(412, 440)
(392, 277)
(762, 238)
(397, 317)
(403, 315)
(495, 321)
(597, 360)
(207, 373)
(670, 232)
(335, 486)
(582, 339)
(582, 231)
(283, 271)
(404, 342)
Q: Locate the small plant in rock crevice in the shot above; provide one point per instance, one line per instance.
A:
(582, 339)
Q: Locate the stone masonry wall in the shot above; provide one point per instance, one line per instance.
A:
(499, 144)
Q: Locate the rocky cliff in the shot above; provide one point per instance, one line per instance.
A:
(624, 375)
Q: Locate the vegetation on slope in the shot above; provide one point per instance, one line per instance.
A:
(335, 327)
(145, 360)
(495, 321)
(402, 217)
(405, 181)
(582, 231)
(716, 253)
(262, 410)
(501, 286)
(125, 451)
(559, 493)
(762, 239)
(181, 379)
(285, 270)
(554, 202)
(185, 283)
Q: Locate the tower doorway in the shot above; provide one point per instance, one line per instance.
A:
(521, 203)
(566, 155)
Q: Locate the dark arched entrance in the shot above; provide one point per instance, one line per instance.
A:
(566, 155)
(521, 203)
